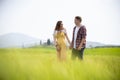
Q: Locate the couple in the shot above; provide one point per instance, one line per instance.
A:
(78, 40)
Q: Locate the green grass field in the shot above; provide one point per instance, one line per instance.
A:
(41, 64)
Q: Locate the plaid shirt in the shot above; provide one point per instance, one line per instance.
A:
(81, 34)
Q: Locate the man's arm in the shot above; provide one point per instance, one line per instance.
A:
(82, 42)
(83, 38)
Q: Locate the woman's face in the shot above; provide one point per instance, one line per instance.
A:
(61, 25)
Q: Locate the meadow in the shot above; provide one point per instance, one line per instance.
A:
(41, 64)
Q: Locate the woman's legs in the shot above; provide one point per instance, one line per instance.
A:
(63, 53)
(59, 55)
(58, 48)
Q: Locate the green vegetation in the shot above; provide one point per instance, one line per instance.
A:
(40, 63)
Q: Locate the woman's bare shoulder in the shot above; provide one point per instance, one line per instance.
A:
(64, 29)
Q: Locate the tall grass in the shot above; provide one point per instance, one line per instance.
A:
(41, 64)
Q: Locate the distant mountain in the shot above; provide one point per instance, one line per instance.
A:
(91, 44)
(16, 40)
(22, 40)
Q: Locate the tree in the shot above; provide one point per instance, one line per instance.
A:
(48, 42)
(40, 42)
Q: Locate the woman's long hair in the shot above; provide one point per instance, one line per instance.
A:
(58, 25)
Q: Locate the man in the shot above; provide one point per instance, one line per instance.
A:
(78, 39)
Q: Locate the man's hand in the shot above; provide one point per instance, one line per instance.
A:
(79, 48)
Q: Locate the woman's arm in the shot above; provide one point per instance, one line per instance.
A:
(55, 42)
(54, 38)
(67, 37)
(71, 46)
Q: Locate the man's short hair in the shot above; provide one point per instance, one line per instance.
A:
(78, 18)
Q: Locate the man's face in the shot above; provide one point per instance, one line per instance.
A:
(76, 21)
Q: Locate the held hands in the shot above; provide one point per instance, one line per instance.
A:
(70, 47)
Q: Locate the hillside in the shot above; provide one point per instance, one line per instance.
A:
(22, 40)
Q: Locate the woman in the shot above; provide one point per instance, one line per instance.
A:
(60, 35)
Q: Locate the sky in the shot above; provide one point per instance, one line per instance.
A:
(37, 18)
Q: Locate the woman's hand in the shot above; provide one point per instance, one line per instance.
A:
(55, 44)
(58, 48)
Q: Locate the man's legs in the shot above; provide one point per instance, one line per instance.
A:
(80, 55)
(74, 54)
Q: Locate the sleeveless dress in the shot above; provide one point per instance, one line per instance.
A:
(61, 41)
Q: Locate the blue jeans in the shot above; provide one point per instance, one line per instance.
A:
(77, 53)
